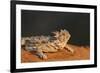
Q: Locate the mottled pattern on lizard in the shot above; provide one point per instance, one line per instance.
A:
(41, 44)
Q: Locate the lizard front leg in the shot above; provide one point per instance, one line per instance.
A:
(69, 48)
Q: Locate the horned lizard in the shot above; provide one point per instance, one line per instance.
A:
(42, 44)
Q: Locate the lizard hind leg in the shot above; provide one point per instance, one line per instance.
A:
(41, 55)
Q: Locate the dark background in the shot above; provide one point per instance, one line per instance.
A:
(44, 22)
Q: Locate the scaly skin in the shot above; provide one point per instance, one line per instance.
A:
(42, 44)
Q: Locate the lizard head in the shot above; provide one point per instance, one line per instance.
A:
(62, 35)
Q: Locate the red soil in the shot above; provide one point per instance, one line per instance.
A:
(81, 53)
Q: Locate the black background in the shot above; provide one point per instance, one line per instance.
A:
(44, 22)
